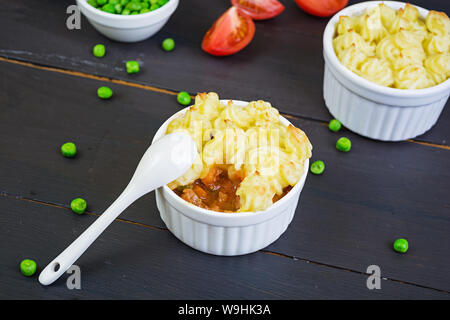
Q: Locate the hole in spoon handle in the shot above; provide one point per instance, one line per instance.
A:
(52, 272)
(56, 266)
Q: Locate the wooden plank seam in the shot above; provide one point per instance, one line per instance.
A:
(168, 91)
(60, 206)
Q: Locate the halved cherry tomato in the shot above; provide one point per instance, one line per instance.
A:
(259, 9)
(232, 32)
(321, 8)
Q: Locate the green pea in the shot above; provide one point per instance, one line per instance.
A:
(334, 125)
(28, 267)
(132, 66)
(317, 167)
(168, 44)
(93, 3)
(99, 50)
(69, 149)
(145, 10)
(101, 2)
(401, 245)
(78, 205)
(118, 8)
(184, 98)
(114, 2)
(162, 2)
(134, 6)
(145, 5)
(343, 144)
(154, 7)
(134, 12)
(104, 93)
(124, 2)
(126, 12)
(153, 1)
(108, 8)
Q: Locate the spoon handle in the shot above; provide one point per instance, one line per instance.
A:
(63, 262)
(165, 160)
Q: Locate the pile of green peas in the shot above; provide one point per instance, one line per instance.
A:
(127, 7)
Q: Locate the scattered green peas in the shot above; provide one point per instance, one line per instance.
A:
(99, 50)
(104, 93)
(132, 66)
(184, 98)
(343, 144)
(334, 125)
(401, 245)
(69, 149)
(127, 7)
(168, 44)
(78, 205)
(28, 267)
(317, 167)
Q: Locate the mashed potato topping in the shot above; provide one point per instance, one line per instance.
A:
(247, 158)
(395, 48)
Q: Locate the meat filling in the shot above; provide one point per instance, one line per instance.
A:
(216, 191)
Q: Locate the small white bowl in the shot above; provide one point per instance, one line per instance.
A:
(226, 234)
(373, 110)
(131, 28)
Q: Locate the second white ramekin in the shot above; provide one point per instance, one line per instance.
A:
(226, 234)
(372, 110)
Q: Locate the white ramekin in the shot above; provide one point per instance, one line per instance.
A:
(226, 234)
(373, 110)
(131, 28)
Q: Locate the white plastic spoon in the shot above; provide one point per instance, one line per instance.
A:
(164, 161)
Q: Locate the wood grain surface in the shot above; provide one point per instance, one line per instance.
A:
(135, 262)
(346, 219)
(283, 64)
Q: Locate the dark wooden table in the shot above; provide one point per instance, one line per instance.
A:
(346, 220)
